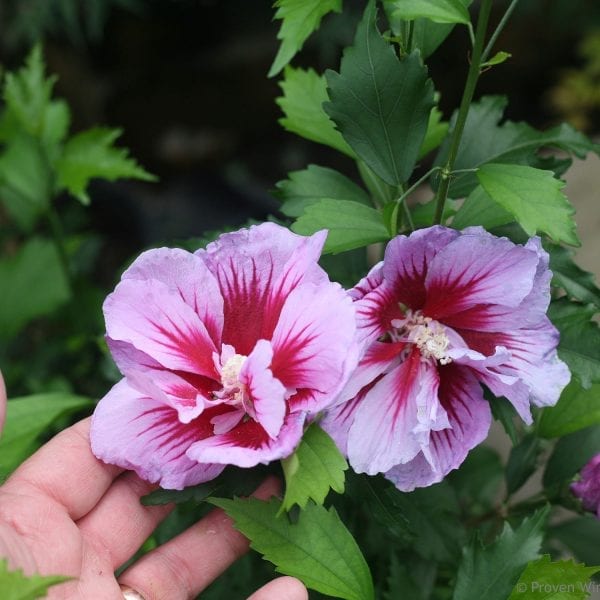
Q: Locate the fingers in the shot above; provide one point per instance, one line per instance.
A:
(66, 471)
(2, 402)
(282, 588)
(185, 565)
(119, 522)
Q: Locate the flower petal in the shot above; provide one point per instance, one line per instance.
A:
(185, 274)
(478, 268)
(249, 444)
(256, 269)
(395, 417)
(156, 320)
(144, 435)
(267, 394)
(314, 342)
(469, 416)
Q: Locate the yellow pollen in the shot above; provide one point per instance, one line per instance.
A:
(427, 334)
(230, 372)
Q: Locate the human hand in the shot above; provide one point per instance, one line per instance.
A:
(65, 512)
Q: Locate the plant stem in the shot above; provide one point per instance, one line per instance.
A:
(405, 193)
(465, 103)
(57, 234)
(498, 30)
(409, 39)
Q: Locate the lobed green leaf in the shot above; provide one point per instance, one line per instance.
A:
(438, 11)
(16, 586)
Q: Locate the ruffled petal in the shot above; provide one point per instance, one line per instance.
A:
(143, 435)
(157, 321)
(186, 275)
(314, 342)
(395, 417)
(267, 394)
(469, 417)
(249, 444)
(478, 268)
(256, 269)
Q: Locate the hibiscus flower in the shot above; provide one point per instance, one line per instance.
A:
(224, 352)
(443, 313)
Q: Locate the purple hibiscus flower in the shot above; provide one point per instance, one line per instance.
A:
(444, 312)
(587, 488)
(224, 353)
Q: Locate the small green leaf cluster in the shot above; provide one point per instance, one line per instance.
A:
(16, 586)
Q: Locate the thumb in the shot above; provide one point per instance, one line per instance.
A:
(2, 402)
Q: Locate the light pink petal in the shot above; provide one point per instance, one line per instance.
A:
(314, 343)
(249, 444)
(143, 435)
(157, 321)
(367, 284)
(469, 416)
(256, 269)
(478, 268)
(376, 311)
(186, 275)
(267, 394)
(395, 417)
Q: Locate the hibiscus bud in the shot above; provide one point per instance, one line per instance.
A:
(587, 488)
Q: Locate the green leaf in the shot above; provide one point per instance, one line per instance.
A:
(579, 344)
(581, 536)
(233, 481)
(307, 187)
(546, 580)
(422, 214)
(480, 209)
(497, 59)
(400, 583)
(504, 412)
(300, 19)
(316, 466)
(576, 409)
(25, 178)
(533, 197)
(351, 225)
(438, 11)
(27, 418)
(485, 140)
(36, 266)
(381, 104)
(522, 462)
(570, 454)
(491, 572)
(435, 134)
(302, 104)
(576, 282)
(91, 154)
(16, 586)
(317, 549)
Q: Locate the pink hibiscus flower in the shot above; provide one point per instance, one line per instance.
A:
(587, 488)
(224, 353)
(444, 312)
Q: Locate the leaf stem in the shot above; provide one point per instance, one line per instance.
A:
(465, 103)
(498, 30)
(409, 39)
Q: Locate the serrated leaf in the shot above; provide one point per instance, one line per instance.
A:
(16, 586)
(491, 572)
(497, 59)
(546, 580)
(485, 140)
(522, 462)
(302, 104)
(579, 344)
(90, 155)
(27, 418)
(480, 209)
(317, 549)
(576, 409)
(570, 454)
(313, 469)
(581, 536)
(307, 187)
(351, 225)
(381, 104)
(533, 197)
(300, 18)
(438, 11)
(576, 282)
(36, 266)
(233, 481)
